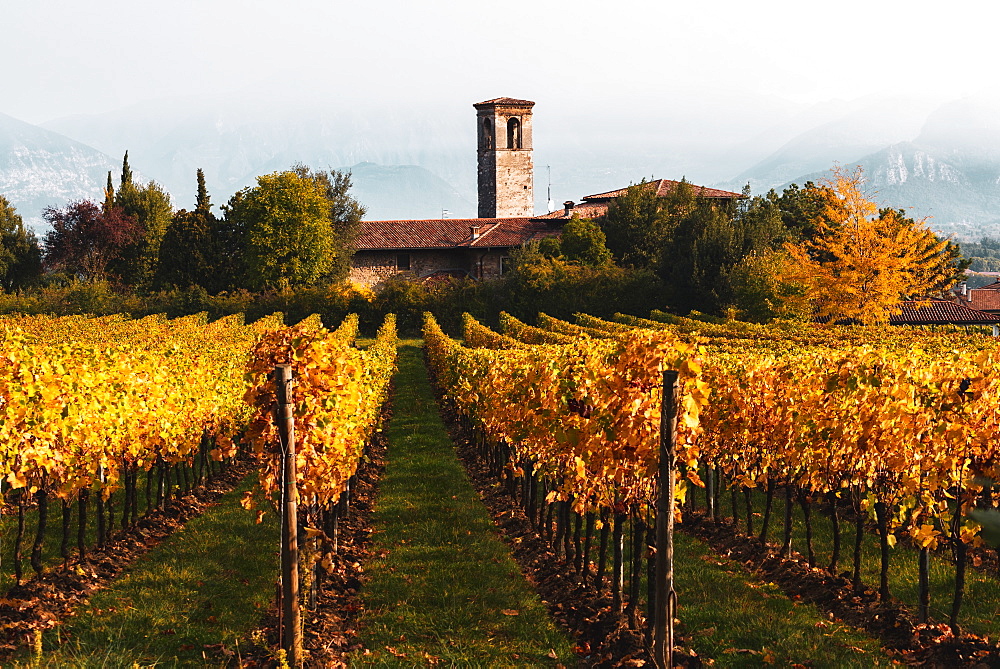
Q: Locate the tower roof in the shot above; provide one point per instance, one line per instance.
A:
(505, 102)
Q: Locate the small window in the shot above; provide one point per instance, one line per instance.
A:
(403, 262)
(514, 134)
(505, 264)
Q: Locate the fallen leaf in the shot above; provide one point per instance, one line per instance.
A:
(511, 612)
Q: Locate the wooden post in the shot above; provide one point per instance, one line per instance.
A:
(666, 597)
(291, 621)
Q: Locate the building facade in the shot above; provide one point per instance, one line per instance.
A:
(479, 248)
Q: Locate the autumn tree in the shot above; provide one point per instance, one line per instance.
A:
(862, 260)
(87, 242)
(20, 256)
(284, 231)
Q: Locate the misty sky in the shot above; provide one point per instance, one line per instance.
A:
(63, 57)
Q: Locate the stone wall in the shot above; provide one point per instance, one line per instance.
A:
(373, 268)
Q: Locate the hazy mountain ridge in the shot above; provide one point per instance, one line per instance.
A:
(40, 168)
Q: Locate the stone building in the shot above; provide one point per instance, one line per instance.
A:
(480, 247)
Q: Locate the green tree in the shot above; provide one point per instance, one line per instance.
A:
(20, 255)
(150, 206)
(760, 291)
(345, 215)
(584, 242)
(284, 224)
(188, 255)
(638, 224)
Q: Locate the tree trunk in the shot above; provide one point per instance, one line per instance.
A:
(768, 504)
(43, 517)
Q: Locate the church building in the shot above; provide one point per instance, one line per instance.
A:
(480, 247)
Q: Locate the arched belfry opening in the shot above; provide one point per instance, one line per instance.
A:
(514, 133)
(489, 142)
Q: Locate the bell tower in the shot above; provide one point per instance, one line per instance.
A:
(503, 131)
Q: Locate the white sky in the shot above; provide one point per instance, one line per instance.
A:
(62, 57)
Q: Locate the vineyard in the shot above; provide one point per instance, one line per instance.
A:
(854, 467)
(889, 432)
(104, 417)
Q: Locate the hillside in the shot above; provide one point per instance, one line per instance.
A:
(40, 168)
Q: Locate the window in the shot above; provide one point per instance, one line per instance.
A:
(403, 262)
(488, 142)
(505, 264)
(514, 134)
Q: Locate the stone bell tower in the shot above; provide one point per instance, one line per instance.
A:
(503, 130)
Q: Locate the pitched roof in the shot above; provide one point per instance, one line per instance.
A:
(508, 102)
(437, 233)
(665, 187)
(939, 312)
(984, 299)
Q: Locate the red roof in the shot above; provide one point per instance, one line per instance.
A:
(665, 187)
(940, 312)
(451, 233)
(984, 300)
(506, 102)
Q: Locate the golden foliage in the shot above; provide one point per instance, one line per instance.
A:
(863, 261)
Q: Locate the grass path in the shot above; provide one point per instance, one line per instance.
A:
(980, 609)
(443, 585)
(207, 584)
(741, 621)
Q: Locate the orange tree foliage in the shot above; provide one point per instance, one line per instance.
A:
(862, 261)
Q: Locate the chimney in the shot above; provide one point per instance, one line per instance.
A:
(568, 208)
(963, 288)
(474, 232)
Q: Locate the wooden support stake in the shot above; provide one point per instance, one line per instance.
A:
(291, 618)
(666, 597)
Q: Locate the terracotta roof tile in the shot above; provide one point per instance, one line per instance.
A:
(984, 299)
(666, 186)
(507, 102)
(451, 233)
(939, 312)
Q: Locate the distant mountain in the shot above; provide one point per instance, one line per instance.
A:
(40, 168)
(391, 192)
(237, 140)
(844, 132)
(959, 194)
(946, 168)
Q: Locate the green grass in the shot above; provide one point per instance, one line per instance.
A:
(980, 609)
(209, 583)
(53, 531)
(444, 579)
(727, 611)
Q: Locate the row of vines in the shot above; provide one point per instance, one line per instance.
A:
(97, 413)
(893, 430)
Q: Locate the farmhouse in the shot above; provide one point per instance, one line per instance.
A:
(480, 247)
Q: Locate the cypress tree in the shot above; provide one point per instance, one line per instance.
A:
(126, 172)
(204, 202)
